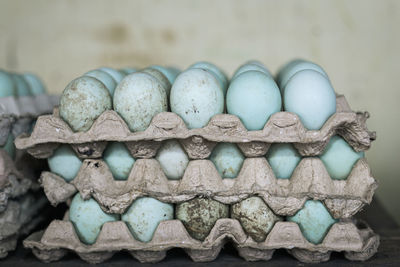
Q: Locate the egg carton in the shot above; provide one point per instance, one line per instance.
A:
(19, 218)
(282, 127)
(310, 180)
(356, 239)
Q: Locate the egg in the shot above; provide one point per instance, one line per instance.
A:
(196, 96)
(249, 66)
(160, 77)
(253, 96)
(173, 159)
(103, 77)
(119, 160)
(199, 215)
(116, 75)
(339, 158)
(217, 72)
(35, 84)
(314, 221)
(83, 101)
(283, 159)
(138, 98)
(127, 70)
(22, 87)
(6, 84)
(9, 146)
(284, 69)
(310, 95)
(167, 72)
(64, 162)
(174, 72)
(255, 62)
(296, 67)
(256, 218)
(228, 159)
(88, 218)
(144, 215)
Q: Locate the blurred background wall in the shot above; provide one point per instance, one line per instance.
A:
(357, 42)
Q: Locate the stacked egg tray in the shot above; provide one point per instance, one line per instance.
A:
(310, 180)
(19, 204)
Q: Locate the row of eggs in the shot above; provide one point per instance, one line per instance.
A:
(198, 216)
(338, 158)
(14, 84)
(199, 93)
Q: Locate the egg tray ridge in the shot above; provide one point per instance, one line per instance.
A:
(282, 127)
(285, 197)
(356, 239)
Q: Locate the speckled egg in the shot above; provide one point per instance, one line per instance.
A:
(119, 160)
(217, 72)
(88, 218)
(160, 77)
(228, 159)
(144, 215)
(6, 84)
(127, 70)
(196, 96)
(64, 162)
(9, 146)
(103, 77)
(256, 218)
(339, 158)
(199, 215)
(173, 159)
(35, 84)
(253, 96)
(83, 101)
(22, 87)
(115, 74)
(283, 159)
(310, 95)
(170, 74)
(247, 67)
(138, 98)
(314, 221)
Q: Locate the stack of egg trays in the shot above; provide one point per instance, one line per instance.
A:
(285, 197)
(19, 206)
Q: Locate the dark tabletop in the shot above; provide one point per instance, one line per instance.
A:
(376, 216)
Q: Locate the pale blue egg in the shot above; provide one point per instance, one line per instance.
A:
(218, 73)
(115, 74)
(253, 96)
(119, 160)
(7, 86)
(196, 96)
(284, 69)
(283, 159)
(9, 146)
(228, 159)
(144, 215)
(64, 162)
(314, 221)
(339, 158)
(22, 87)
(35, 84)
(296, 67)
(256, 62)
(138, 98)
(88, 218)
(127, 70)
(175, 72)
(173, 159)
(169, 73)
(248, 67)
(160, 77)
(310, 95)
(103, 77)
(83, 101)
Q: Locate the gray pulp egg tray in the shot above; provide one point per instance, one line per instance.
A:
(282, 127)
(356, 239)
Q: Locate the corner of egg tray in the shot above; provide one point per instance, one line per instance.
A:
(285, 197)
(282, 127)
(356, 239)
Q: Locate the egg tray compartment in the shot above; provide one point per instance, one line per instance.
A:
(356, 239)
(285, 197)
(20, 217)
(282, 127)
